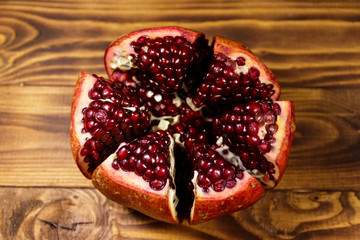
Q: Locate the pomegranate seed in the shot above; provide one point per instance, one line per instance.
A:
(214, 174)
(161, 172)
(245, 157)
(203, 181)
(276, 108)
(272, 128)
(100, 115)
(115, 165)
(220, 57)
(240, 175)
(93, 94)
(140, 167)
(228, 173)
(204, 165)
(231, 184)
(269, 117)
(219, 185)
(264, 146)
(148, 175)
(125, 165)
(253, 107)
(253, 128)
(252, 140)
(253, 73)
(157, 184)
(259, 117)
(240, 61)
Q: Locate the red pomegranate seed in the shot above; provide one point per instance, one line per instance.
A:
(253, 107)
(264, 146)
(161, 172)
(228, 173)
(203, 181)
(157, 184)
(253, 128)
(272, 128)
(219, 185)
(140, 167)
(253, 73)
(231, 184)
(214, 174)
(148, 175)
(240, 61)
(269, 117)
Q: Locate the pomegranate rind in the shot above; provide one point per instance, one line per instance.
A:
(130, 190)
(284, 137)
(233, 50)
(121, 46)
(210, 205)
(80, 100)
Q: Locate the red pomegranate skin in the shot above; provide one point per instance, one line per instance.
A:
(152, 203)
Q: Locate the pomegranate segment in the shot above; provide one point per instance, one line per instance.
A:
(227, 82)
(248, 130)
(130, 190)
(213, 170)
(164, 63)
(141, 176)
(148, 157)
(119, 55)
(210, 205)
(188, 131)
(247, 63)
(111, 113)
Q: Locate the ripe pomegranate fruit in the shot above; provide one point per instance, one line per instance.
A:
(182, 130)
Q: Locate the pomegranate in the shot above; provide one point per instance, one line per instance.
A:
(181, 130)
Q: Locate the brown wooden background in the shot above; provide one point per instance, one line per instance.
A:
(312, 47)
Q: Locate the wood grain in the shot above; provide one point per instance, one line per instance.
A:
(43, 44)
(58, 213)
(311, 46)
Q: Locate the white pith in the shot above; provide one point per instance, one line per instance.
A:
(235, 160)
(193, 181)
(241, 69)
(192, 105)
(173, 199)
(227, 155)
(78, 119)
(122, 61)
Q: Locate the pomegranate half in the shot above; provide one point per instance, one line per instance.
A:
(181, 130)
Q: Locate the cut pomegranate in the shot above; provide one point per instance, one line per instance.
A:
(182, 130)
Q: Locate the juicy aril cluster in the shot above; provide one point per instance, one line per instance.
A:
(181, 130)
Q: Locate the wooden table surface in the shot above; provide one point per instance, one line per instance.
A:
(312, 47)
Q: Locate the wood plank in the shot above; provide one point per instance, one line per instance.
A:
(311, 46)
(35, 148)
(57, 213)
(41, 44)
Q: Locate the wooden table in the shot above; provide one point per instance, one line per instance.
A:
(312, 47)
